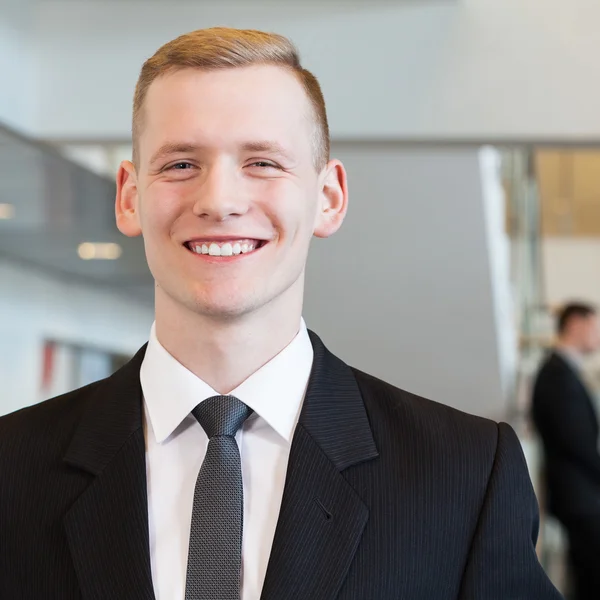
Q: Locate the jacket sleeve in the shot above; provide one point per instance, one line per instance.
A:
(502, 561)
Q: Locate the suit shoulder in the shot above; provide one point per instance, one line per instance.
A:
(553, 371)
(425, 417)
(48, 419)
(553, 364)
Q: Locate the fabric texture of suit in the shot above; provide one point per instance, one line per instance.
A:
(388, 497)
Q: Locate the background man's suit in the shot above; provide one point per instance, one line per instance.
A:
(564, 415)
(388, 497)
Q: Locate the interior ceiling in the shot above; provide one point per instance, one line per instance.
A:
(57, 206)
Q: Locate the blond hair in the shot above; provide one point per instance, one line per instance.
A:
(223, 48)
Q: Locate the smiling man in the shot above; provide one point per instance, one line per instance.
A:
(234, 457)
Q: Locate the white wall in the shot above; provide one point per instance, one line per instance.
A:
(35, 307)
(571, 268)
(464, 69)
(406, 290)
(498, 250)
(18, 52)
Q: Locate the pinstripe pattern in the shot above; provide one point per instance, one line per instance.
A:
(388, 497)
(73, 506)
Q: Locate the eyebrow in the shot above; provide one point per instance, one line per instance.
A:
(172, 148)
(271, 147)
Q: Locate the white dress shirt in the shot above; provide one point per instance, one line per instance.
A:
(176, 446)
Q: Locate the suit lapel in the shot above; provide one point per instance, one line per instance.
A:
(322, 517)
(107, 527)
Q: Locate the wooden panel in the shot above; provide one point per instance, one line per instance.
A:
(586, 176)
(569, 188)
(587, 218)
(555, 193)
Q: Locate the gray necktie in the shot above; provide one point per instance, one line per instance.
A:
(215, 557)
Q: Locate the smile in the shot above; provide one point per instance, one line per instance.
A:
(225, 247)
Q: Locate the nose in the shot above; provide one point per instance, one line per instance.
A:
(221, 194)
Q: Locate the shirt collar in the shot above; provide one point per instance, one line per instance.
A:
(275, 392)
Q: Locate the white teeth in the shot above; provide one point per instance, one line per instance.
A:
(223, 249)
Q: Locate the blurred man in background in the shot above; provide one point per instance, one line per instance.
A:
(565, 416)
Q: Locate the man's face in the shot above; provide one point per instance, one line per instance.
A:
(226, 194)
(590, 334)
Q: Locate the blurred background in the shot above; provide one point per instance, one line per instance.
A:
(471, 133)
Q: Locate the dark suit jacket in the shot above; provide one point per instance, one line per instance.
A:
(388, 497)
(564, 415)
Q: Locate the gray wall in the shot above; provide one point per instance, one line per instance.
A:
(403, 290)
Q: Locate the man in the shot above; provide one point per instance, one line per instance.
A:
(564, 414)
(234, 456)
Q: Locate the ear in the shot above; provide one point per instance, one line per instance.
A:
(127, 201)
(333, 203)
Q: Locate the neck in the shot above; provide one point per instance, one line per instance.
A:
(224, 352)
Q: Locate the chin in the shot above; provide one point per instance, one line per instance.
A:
(229, 299)
(224, 309)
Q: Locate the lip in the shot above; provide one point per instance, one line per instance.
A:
(224, 238)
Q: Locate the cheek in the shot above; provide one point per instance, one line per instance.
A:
(161, 207)
(290, 210)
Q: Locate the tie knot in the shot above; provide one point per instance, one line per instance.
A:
(221, 415)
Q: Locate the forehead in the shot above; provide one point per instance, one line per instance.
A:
(221, 106)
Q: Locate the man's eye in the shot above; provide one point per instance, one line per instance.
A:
(264, 164)
(181, 166)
